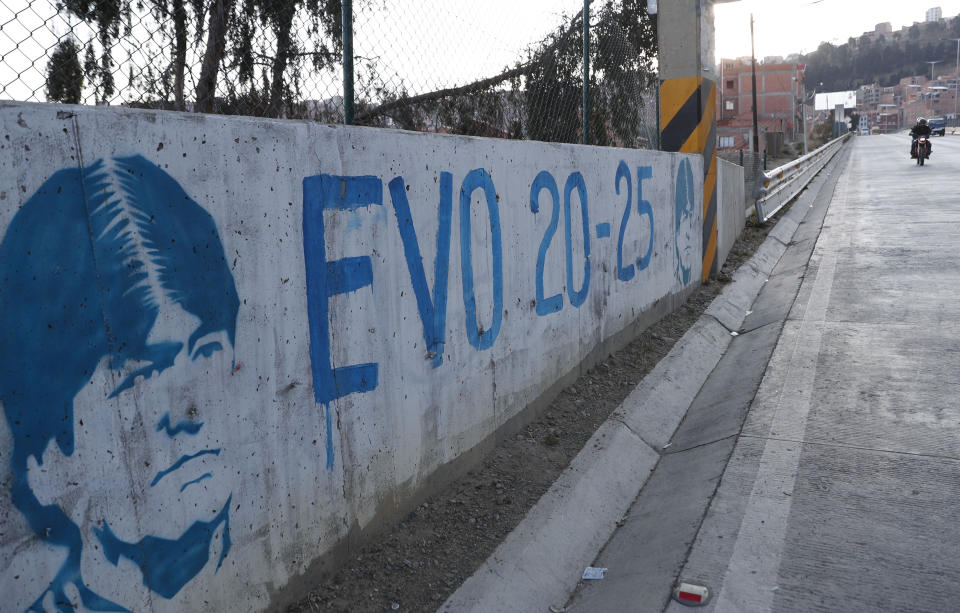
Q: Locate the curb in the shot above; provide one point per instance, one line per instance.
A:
(541, 560)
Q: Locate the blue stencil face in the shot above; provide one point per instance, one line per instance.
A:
(684, 202)
(85, 267)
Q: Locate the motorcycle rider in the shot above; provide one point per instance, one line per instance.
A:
(920, 129)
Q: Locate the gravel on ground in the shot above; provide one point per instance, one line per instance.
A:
(418, 564)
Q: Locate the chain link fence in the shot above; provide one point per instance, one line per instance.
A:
(498, 69)
(754, 165)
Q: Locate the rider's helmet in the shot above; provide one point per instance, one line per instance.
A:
(921, 121)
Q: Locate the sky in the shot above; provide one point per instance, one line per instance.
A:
(783, 27)
(420, 45)
(423, 45)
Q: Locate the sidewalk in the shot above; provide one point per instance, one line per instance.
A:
(842, 493)
(541, 561)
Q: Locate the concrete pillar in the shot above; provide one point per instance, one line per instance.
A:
(688, 91)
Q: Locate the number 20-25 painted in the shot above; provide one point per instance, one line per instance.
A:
(326, 278)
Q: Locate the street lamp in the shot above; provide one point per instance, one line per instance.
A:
(931, 66)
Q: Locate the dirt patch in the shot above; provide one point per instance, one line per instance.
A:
(424, 559)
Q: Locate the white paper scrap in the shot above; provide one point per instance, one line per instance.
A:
(594, 573)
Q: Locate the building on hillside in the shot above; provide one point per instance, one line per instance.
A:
(779, 87)
(888, 118)
(884, 29)
(934, 14)
(868, 96)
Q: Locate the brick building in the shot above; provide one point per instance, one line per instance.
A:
(779, 88)
(897, 107)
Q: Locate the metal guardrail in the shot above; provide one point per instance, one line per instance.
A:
(779, 186)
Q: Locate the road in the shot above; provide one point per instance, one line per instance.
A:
(819, 468)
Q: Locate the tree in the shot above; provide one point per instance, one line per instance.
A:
(106, 16)
(541, 97)
(323, 21)
(624, 43)
(220, 14)
(64, 73)
(854, 118)
(182, 18)
(822, 133)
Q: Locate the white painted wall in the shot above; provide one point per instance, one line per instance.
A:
(290, 501)
(731, 209)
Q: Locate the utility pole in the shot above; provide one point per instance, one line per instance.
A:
(586, 72)
(347, 11)
(688, 101)
(930, 97)
(803, 112)
(956, 82)
(753, 69)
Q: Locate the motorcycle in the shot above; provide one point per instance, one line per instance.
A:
(921, 149)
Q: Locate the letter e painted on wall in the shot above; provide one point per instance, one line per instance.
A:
(329, 278)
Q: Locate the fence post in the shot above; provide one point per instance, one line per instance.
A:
(586, 72)
(348, 62)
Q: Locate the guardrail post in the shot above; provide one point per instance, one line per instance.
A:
(779, 186)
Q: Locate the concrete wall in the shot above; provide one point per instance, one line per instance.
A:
(731, 216)
(228, 343)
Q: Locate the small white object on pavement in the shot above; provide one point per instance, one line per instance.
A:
(593, 572)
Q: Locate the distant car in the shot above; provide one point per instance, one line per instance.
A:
(937, 126)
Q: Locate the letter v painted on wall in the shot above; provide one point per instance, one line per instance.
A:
(330, 278)
(433, 310)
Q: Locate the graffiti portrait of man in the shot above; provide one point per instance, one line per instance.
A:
(684, 224)
(116, 305)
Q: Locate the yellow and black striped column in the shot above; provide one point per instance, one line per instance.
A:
(688, 125)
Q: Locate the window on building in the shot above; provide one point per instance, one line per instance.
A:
(729, 83)
(727, 141)
(729, 105)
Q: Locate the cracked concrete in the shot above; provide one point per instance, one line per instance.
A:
(646, 554)
(685, 403)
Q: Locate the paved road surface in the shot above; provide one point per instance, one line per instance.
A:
(842, 491)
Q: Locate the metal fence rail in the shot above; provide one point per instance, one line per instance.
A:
(779, 186)
(498, 68)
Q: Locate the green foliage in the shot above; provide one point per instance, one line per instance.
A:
(259, 33)
(278, 20)
(822, 133)
(854, 118)
(64, 73)
(107, 16)
(256, 52)
(540, 98)
(623, 45)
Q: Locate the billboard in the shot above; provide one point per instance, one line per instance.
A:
(828, 100)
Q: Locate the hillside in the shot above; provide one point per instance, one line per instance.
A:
(886, 60)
